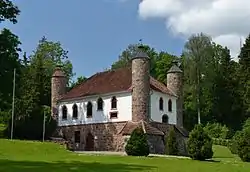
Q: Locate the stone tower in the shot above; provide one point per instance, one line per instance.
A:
(175, 84)
(140, 86)
(58, 88)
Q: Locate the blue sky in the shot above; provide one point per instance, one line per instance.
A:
(93, 31)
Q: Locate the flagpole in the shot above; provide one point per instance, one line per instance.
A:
(13, 104)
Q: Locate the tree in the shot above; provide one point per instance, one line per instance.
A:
(199, 144)
(36, 88)
(9, 59)
(244, 72)
(130, 52)
(8, 11)
(171, 143)
(137, 144)
(197, 54)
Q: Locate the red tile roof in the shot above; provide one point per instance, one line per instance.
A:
(110, 81)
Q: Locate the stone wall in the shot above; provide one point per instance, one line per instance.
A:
(156, 144)
(140, 89)
(106, 137)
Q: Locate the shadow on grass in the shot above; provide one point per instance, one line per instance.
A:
(33, 166)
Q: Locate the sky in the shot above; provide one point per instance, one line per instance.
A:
(95, 32)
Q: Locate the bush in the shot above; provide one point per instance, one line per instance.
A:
(234, 141)
(137, 144)
(200, 144)
(216, 130)
(222, 142)
(243, 142)
(243, 147)
(171, 143)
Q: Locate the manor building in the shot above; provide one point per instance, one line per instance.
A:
(101, 113)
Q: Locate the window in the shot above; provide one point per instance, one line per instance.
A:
(161, 103)
(89, 110)
(75, 111)
(100, 104)
(114, 103)
(170, 105)
(77, 136)
(64, 112)
(113, 115)
(165, 119)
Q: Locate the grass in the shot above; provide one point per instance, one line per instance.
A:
(28, 156)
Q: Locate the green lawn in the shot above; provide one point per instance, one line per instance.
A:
(26, 156)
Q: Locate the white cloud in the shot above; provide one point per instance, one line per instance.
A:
(225, 20)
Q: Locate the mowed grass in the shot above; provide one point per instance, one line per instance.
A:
(28, 156)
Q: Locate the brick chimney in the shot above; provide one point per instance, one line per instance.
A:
(58, 88)
(140, 86)
(175, 84)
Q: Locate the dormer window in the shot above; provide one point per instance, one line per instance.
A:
(161, 103)
(99, 104)
(75, 111)
(114, 103)
(89, 110)
(170, 105)
(64, 112)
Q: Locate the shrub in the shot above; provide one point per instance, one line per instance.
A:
(137, 144)
(233, 144)
(216, 130)
(243, 146)
(200, 144)
(243, 142)
(171, 143)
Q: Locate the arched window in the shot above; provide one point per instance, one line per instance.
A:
(64, 112)
(170, 105)
(161, 103)
(99, 104)
(114, 103)
(89, 110)
(165, 119)
(75, 111)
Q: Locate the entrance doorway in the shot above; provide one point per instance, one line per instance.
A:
(89, 142)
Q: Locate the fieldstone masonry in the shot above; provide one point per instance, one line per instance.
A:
(175, 84)
(58, 88)
(140, 87)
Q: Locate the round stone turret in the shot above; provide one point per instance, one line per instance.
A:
(58, 88)
(140, 86)
(175, 84)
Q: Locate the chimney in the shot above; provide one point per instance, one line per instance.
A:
(175, 84)
(58, 88)
(140, 86)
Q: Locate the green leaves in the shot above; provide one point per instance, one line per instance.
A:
(8, 11)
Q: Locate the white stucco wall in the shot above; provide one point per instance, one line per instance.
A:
(156, 113)
(124, 109)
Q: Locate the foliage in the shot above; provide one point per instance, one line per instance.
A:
(199, 144)
(9, 58)
(137, 144)
(222, 142)
(216, 130)
(171, 143)
(243, 142)
(234, 141)
(8, 11)
(36, 90)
